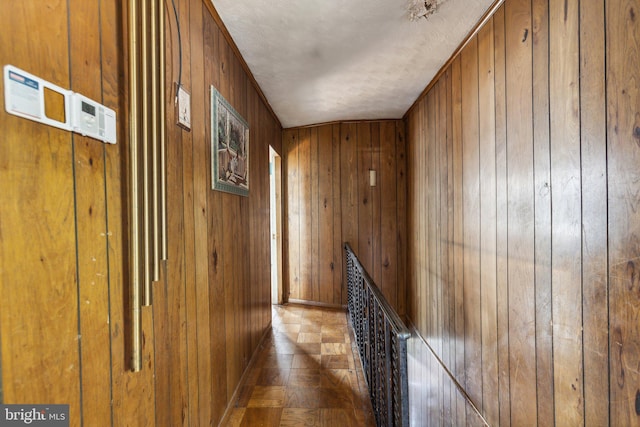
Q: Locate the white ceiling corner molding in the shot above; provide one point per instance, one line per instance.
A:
(419, 9)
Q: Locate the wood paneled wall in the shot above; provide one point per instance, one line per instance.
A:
(522, 217)
(63, 318)
(329, 201)
(220, 248)
(64, 311)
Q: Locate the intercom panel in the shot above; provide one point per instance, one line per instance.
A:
(28, 96)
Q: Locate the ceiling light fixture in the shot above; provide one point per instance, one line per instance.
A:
(422, 8)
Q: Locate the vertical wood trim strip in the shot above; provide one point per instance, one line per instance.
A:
(186, 311)
(90, 211)
(376, 227)
(542, 201)
(520, 212)
(434, 223)
(450, 316)
(402, 217)
(305, 206)
(201, 147)
(290, 146)
(388, 192)
(422, 182)
(314, 216)
(501, 214)
(443, 221)
(458, 371)
(338, 240)
(623, 137)
(488, 222)
(349, 190)
(215, 227)
(471, 217)
(593, 123)
(566, 227)
(325, 214)
(362, 193)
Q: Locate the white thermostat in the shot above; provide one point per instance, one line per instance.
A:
(93, 119)
(24, 96)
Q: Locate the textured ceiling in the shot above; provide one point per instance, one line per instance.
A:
(332, 60)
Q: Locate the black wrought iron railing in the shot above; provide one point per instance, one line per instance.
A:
(382, 343)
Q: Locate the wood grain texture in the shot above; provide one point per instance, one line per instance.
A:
(201, 168)
(339, 287)
(412, 204)
(448, 352)
(292, 213)
(566, 240)
(430, 303)
(212, 38)
(374, 191)
(564, 151)
(430, 408)
(39, 309)
(423, 247)
(502, 283)
(520, 214)
(401, 224)
(471, 223)
(441, 282)
(488, 221)
(315, 214)
(91, 225)
(173, 339)
(349, 190)
(132, 395)
(543, 214)
(593, 134)
(331, 177)
(458, 300)
(325, 243)
(623, 135)
(387, 194)
(306, 214)
(186, 311)
(364, 210)
(68, 198)
(540, 211)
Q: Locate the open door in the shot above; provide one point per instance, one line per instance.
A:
(275, 186)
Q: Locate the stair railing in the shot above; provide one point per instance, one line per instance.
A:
(382, 343)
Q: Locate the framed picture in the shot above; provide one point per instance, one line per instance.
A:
(229, 147)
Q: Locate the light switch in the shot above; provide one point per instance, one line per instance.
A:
(184, 108)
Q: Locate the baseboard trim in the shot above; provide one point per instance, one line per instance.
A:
(243, 379)
(315, 303)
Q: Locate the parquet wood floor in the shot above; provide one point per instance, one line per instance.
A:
(307, 374)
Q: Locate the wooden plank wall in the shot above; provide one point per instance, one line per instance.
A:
(64, 315)
(63, 319)
(330, 201)
(522, 220)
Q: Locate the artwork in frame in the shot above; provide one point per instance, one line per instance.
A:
(229, 147)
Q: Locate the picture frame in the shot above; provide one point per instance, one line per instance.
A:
(229, 147)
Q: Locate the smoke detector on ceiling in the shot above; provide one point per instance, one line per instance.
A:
(419, 9)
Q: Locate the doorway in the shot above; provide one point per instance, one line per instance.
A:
(275, 204)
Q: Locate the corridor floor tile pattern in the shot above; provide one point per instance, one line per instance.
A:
(307, 373)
